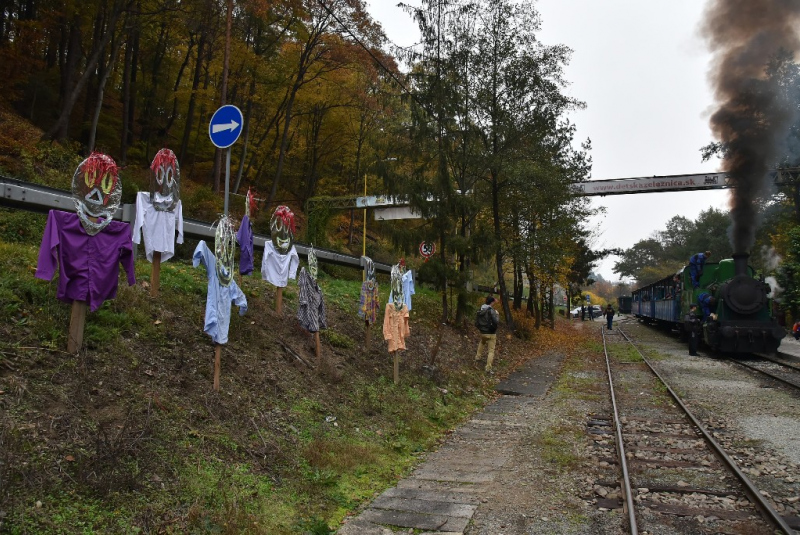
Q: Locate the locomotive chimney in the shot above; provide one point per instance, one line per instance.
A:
(740, 263)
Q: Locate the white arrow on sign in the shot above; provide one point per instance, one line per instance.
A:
(233, 125)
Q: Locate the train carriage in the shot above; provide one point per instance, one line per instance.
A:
(624, 304)
(740, 318)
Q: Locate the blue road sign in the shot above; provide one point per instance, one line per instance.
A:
(225, 126)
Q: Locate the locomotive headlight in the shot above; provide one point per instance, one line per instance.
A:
(728, 331)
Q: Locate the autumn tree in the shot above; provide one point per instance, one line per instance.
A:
(518, 102)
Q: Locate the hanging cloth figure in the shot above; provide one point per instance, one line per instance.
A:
(407, 283)
(369, 302)
(159, 214)
(395, 320)
(245, 235)
(280, 260)
(86, 249)
(311, 309)
(222, 289)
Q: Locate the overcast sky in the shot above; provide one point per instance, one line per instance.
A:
(641, 68)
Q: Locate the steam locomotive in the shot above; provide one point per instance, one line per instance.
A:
(741, 319)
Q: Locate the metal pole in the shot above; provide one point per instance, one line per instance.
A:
(364, 238)
(227, 179)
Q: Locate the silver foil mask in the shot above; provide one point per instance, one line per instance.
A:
(397, 287)
(313, 267)
(96, 191)
(281, 228)
(224, 248)
(165, 183)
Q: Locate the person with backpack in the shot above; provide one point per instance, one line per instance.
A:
(487, 321)
(609, 314)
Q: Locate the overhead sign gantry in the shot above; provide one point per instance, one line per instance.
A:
(653, 184)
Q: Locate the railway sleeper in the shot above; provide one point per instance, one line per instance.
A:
(707, 513)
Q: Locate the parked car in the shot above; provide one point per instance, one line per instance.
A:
(596, 310)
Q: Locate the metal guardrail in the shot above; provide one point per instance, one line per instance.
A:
(36, 198)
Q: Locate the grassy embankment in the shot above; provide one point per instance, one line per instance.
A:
(128, 435)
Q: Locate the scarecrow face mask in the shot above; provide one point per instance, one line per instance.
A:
(397, 287)
(96, 190)
(369, 269)
(224, 247)
(281, 228)
(312, 263)
(249, 204)
(165, 191)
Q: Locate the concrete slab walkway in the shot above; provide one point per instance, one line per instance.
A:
(443, 493)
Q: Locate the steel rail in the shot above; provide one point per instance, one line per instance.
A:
(769, 374)
(769, 512)
(776, 361)
(623, 462)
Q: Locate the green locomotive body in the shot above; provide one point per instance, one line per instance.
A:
(740, 317)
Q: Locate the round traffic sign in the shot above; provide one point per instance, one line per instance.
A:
(225, 126)
(427, 249)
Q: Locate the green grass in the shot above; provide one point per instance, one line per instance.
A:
(135, 407)
(556, 447)
(624, 353)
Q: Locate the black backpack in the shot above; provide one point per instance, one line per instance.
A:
(484, 321)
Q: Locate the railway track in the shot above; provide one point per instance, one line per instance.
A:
(675, 477)
(773, 368)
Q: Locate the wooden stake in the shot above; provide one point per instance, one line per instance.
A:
(438, 343)
(366, 336)
(155, 274)
(217, 365)
(279, 301)
(396, 367)
(319, 350)
(77, 321)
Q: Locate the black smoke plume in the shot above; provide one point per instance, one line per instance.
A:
(753, 116)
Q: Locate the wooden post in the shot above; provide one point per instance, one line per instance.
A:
(366, 336)
(319, 350)
(77, 321)
(396, 367)
(279, 301)
(155, 274)
(217, 365)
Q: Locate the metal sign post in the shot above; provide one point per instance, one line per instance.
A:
(224, 129)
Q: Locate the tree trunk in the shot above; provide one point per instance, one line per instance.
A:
(246, 132)
(126, 100)
(60, 129)
(68, 64)
(284, 145)
(176, 86)
(198, 71)
(501, 281)
(105, 71)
